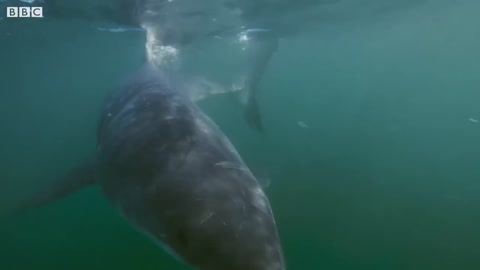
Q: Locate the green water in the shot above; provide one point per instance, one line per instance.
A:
(385, 176)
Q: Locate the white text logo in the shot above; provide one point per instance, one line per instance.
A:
(25, 12)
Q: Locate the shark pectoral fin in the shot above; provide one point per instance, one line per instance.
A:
(76, 179)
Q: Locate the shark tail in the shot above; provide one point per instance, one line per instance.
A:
(261, 54)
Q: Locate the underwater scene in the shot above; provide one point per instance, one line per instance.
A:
(240, 134)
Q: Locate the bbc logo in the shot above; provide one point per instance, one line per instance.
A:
(25, 12)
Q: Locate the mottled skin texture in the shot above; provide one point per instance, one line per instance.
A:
(174, 174)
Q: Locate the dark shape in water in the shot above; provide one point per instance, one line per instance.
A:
(260, 54)
(173, 174)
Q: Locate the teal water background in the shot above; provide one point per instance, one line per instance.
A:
(385, 176)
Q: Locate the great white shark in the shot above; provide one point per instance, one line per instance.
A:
(174, 175)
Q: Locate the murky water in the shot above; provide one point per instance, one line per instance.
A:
(371, 142)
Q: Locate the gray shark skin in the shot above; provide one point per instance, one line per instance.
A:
(174, 175)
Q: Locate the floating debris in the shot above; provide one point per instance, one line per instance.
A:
(302, 124)
(256, 30)
(120, 29)
(473, 120)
